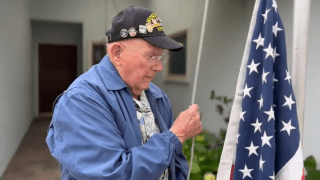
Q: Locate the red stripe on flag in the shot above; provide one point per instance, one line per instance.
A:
(231, 175)
(302, 178)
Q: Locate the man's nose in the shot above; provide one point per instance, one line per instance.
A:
(158, 67)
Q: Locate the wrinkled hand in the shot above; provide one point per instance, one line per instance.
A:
(187, 124)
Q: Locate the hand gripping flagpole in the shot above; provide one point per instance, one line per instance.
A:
(197, 73)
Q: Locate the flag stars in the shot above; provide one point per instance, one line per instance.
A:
(288, 77)
(270, 113)
(289, 101)
(253, 67)
(275, 29)
(246, 172)
(259, 41)
(257, 126)
(287, 127)
(275, 54)
(266, 139)
(265, 15)
(252, 149)
(274, 5)
(272, 177)
(246, 91)
(261, 162)
(242, 114)
(269, 51)
(260, 102)
(264, 76)
(274, 79)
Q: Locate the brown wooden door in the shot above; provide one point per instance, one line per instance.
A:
(57, 70)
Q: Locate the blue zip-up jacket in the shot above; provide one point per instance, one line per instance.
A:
(95, 135)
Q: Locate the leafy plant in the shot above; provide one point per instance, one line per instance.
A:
(310, 165)
(207, 147)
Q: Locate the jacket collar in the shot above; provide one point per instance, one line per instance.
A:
(110, 76)
(113, 81)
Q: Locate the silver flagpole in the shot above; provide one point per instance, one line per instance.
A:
(301, 14)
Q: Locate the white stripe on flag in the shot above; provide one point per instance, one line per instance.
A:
(293, 169)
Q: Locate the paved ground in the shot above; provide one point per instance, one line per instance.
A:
(33, 160)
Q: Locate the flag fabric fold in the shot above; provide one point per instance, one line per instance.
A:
(263, 140)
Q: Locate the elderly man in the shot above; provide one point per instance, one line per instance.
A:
(112, 122)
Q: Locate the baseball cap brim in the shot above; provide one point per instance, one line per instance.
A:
(164, 42)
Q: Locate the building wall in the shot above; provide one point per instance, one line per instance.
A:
(311, 130)
(15, 77)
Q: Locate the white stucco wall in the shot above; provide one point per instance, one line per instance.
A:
(15, 77)
(312, 123)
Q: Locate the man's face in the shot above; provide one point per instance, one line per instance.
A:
(137, 72)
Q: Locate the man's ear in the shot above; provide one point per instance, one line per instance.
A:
(115, 51)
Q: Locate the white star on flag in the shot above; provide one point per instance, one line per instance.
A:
(272, 177)
(270, 114)
(246, 91)
(261, 162)
(289, 101)
(274, 4)
(274, 79)
(266, 139)
(252, 149)
(275, 54)
(265, 15)
(269, 51)
(259, 41)
(246, 172)
(287, 127)
(253, 67)
(264, 76)
(275, 29)
(288, 77)
(257, 126)
(241, 115)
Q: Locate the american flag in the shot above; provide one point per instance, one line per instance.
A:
(267, 144)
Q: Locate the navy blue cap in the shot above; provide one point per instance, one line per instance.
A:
(137, 22)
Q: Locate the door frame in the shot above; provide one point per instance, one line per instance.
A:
(35, 59)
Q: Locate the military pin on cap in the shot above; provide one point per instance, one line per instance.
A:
(124, 33)
(132, 32)
(142, 29)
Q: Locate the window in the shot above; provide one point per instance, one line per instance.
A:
(175, 63)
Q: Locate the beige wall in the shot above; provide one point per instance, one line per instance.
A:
(15, 77)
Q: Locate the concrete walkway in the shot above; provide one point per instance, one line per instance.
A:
(33, 160)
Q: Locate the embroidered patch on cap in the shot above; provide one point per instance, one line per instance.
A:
(153, 21)
(142, 29)
(132, 32)
(124, 33)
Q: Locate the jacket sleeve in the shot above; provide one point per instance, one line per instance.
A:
(181, 165)
(84, 138)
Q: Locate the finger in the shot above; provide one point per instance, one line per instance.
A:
(194, 107)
